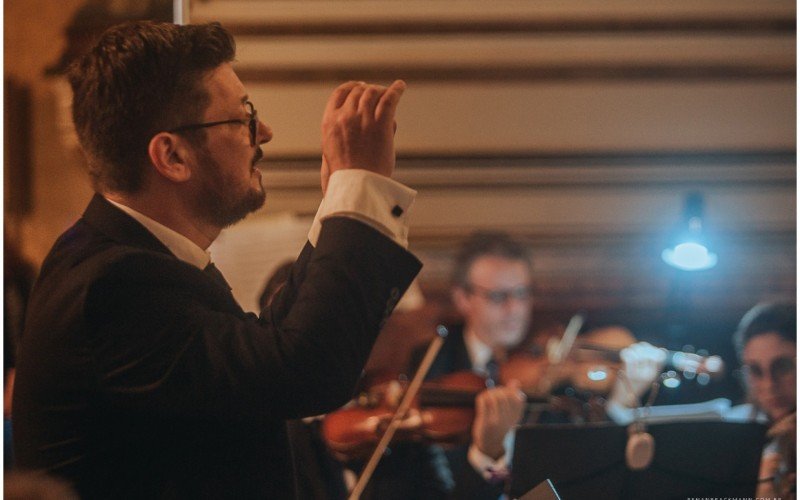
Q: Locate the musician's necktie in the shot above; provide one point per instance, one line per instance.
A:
(492, 373)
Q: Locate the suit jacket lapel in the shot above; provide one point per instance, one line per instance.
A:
(119, 226)
(461, 359)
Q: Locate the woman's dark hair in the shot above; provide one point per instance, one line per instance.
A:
(778, 317)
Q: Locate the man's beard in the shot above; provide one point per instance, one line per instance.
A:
(218, 201)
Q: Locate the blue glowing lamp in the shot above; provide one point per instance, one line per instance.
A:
(689, 251)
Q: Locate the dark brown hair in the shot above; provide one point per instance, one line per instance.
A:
(481, 244)
(139, 79)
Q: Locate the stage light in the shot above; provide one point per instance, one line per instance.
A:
(597, 374)
(688, 249)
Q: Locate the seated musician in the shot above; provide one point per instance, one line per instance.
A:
(766, 343)
(492, 291)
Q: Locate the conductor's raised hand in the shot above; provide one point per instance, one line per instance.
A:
(358, 128)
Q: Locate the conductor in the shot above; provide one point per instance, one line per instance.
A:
(138, 374)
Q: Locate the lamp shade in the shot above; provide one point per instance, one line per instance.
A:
(688, 249)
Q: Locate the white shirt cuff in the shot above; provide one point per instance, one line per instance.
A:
(486, 466)
(374, 199)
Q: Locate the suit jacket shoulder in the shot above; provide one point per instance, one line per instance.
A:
(131, 356)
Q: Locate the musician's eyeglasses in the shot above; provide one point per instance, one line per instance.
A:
(501, 296)
(251, 122)
(778, 368)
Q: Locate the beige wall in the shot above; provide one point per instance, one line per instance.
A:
(578, 129)
(34, 39)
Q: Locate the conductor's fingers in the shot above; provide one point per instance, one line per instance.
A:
(338, 97)
(387, 105)
(369, 98)
(354, 97)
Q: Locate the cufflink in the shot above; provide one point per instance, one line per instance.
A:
(397, 211)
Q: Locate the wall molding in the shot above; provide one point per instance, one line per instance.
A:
(336, 17)
(555, 72)
(514, 170)
(551, 26)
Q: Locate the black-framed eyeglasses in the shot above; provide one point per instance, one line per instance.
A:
(252, 124)
(778, 368)
(500, 296)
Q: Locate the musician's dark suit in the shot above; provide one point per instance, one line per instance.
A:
(140, 376)
(469, 484)
(419, 472)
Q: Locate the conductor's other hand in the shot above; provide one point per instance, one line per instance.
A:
(497, 410)
(358, 129)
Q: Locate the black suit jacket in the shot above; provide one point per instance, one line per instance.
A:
(469, 484)
(139, 376)
(415, 471)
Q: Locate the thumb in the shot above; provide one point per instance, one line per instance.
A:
(324, 175)
(385, 110)
(516, 385)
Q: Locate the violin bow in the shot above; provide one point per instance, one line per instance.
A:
(559, 353)
(399, 414)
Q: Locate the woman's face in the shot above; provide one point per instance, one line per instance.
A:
(770, 368)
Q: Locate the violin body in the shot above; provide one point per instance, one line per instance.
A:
(443, 412)
(583, 370)
(592, 364)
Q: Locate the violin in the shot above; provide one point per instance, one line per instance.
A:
(443, 409)
(590, 363)
(442, 412)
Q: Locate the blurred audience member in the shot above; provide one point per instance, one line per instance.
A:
(36, 486)
(318, 476)
(18, 275)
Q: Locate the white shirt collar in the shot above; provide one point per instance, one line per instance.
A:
(479, 353)
(183, 248)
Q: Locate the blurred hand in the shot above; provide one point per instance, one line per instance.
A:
(358, 129)
(642, 364)
(497, 410)
(770, 463)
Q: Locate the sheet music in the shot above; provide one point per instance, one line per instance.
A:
(715, 409)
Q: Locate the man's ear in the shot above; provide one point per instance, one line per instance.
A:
(169, 156)
(460, 300)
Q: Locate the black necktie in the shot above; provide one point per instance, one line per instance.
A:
(492, 373)
(217, 276)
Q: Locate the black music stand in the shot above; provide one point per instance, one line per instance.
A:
(545, 491)
(692, 459)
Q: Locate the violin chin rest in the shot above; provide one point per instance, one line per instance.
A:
(640, 450)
